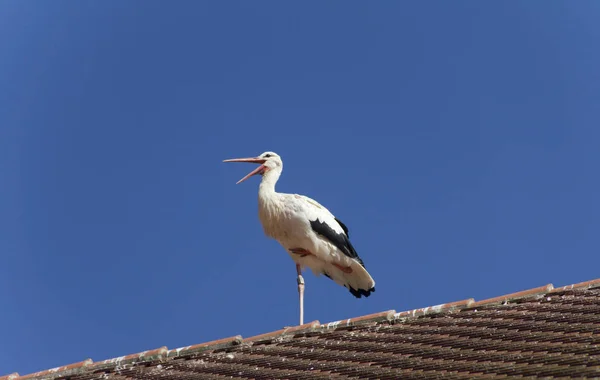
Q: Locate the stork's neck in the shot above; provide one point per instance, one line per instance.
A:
(269, 179)
(269, 203)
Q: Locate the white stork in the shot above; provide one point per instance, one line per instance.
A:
(311, 235)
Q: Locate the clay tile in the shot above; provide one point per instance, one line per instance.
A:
(305, 328)
(266, 336)
(581, 285)
(445, 307)
(12, 376)
(71, 368)
(144, 356)
(213, 345)
(514, 296)
(377, 317)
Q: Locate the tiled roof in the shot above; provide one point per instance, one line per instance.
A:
(544, 332)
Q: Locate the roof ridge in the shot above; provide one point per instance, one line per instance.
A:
(390, 316)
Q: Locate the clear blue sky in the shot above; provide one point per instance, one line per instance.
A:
(459, 142)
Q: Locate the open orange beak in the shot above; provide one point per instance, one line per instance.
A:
(259, 170)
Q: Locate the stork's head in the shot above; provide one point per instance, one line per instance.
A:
(269, 161)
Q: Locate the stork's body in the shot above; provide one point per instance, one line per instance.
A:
(312, 236)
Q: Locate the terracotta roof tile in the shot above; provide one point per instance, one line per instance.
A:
(514, 296)
(280, 334)
(544, 332)
(435, 309)
(581, 285)
(64, 370)
(122, 361)
(213, 345)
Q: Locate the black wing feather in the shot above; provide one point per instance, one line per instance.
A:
(340, 241)
(343, 226)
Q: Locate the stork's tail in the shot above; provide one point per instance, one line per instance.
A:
(354, 277)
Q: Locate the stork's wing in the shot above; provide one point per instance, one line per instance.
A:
(343, 226)
(329, 227)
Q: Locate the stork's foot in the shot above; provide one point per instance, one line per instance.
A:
(300, 292)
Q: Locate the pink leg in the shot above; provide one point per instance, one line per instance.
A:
(300, 292)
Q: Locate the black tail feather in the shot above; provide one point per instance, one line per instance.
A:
(361, 292)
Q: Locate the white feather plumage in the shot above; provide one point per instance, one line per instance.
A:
(286, 218)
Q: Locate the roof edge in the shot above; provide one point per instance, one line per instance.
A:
(301, 329)
(582, 285)
(122, 361)
(512, 297)
(445, 307)
(198, 348)
(365, 319)
(66, 370)
(390, 316)
(12, 376)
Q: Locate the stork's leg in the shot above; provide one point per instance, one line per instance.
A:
(300, 292)
(303, 253)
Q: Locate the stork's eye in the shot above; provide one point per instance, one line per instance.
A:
(268, 155)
